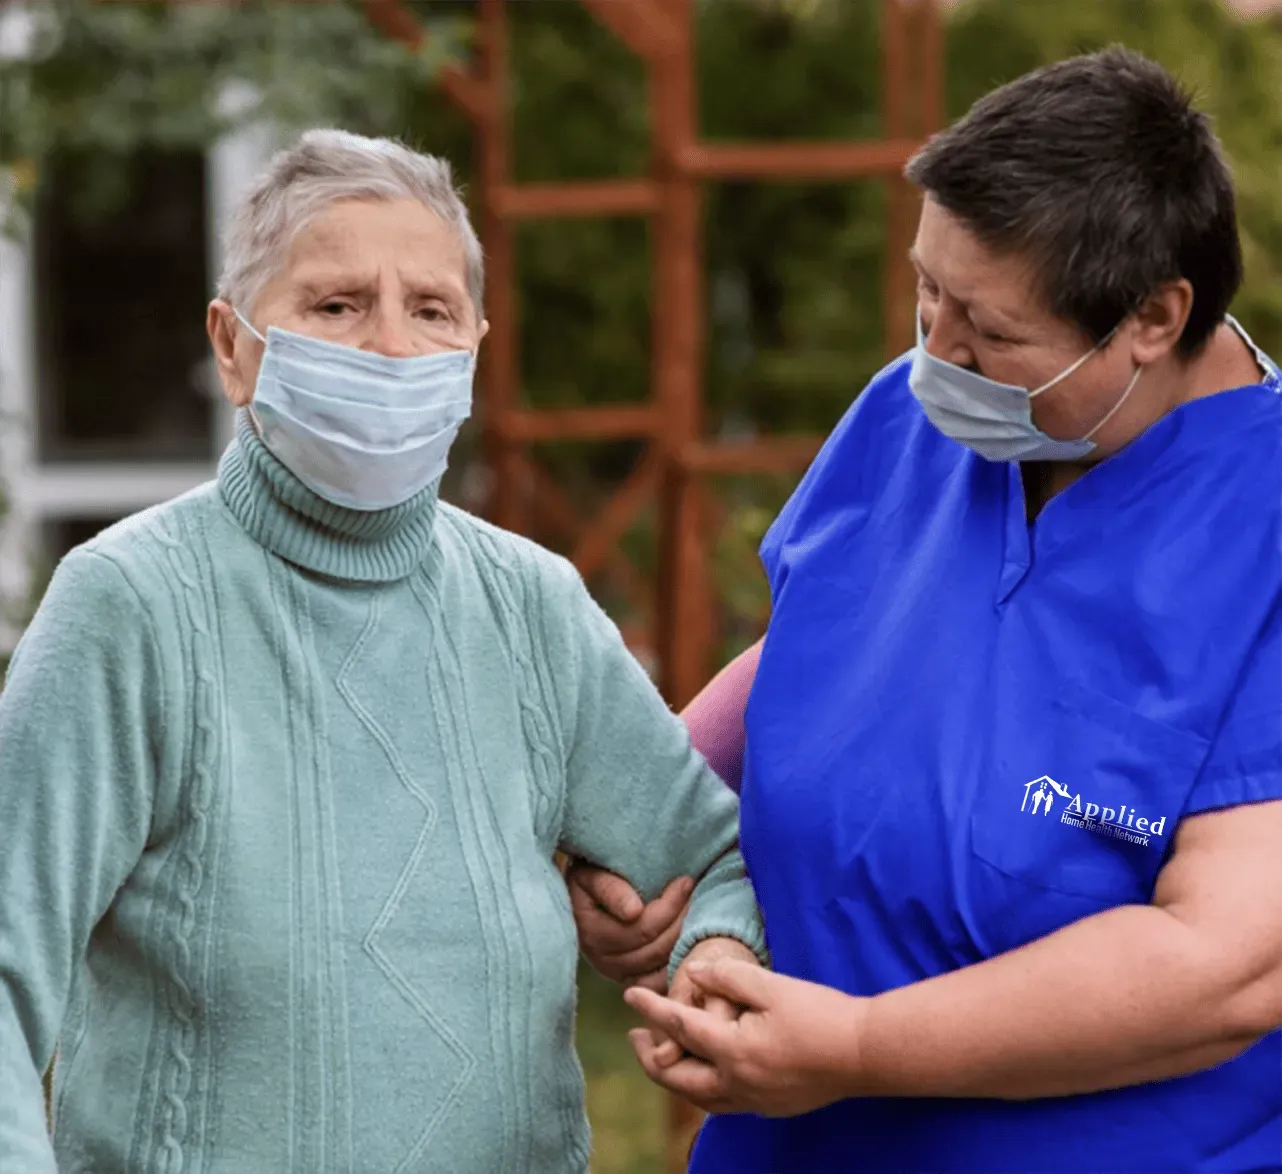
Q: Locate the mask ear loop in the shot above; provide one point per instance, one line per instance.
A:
(248, 325)
(1117, 406)
(254, 421)
(1099, 346)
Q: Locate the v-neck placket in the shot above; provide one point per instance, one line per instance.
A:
(1021, 536)
(1017, 541)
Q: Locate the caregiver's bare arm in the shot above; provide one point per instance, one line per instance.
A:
(640, 801)
(1128, 996)
(715, 718)
(625, 939)
(1131, 995)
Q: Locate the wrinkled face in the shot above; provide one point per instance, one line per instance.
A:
(982, 311)
(383, 276)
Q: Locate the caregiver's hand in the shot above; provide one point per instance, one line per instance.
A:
(689, 994)
(624, 939)
(793, 1048)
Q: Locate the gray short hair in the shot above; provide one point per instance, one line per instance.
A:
(322, 168)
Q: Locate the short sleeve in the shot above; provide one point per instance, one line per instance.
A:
(1244, 763)
(785, 522)
(849, 459)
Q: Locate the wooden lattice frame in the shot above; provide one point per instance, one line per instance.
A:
(678, 455)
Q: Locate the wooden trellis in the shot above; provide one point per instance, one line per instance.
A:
(678, 455)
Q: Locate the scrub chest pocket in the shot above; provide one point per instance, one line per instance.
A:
(1081, 800)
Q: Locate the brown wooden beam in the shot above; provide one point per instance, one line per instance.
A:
(683, 619)
(460, 87)
(499, 357)
(932, 67)
(778, 454)
(797, 161)
(601, 536)
(621, 197)
(396, 21)
(643, 26)
(551, 500)
(465, 91)
(527, 425)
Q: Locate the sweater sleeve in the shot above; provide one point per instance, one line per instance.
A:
(76, 786)
(640, 800)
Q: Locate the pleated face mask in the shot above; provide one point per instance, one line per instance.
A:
(996, 419)
(361, 430)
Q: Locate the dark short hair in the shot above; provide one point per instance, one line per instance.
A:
(1102, 173)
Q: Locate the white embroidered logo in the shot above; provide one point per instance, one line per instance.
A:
(1044, 796)
(1120, 823)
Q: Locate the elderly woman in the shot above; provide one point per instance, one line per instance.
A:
(284, 763)
(1013, 771)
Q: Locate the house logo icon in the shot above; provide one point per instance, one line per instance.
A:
(1040, 794)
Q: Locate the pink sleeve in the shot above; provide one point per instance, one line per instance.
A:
(715, 717)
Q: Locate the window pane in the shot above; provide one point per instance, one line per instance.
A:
(121, 300)
(61, 535)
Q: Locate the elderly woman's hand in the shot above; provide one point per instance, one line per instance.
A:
(624, 939)
(793, 1048)
(688, 993)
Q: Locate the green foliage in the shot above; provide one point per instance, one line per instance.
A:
(626, 1110)
(105, 80)
(1232, 67)
(793, 272)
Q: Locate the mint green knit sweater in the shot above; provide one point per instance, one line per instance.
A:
(280, 788)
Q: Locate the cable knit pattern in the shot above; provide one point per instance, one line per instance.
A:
(280, 786)
(177, 1078)
(547, 766)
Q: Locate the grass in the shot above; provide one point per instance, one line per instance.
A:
(626, 1110)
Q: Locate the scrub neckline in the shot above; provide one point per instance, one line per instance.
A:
(1027, 541)
(1270, 383)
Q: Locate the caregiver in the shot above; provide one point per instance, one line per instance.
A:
(1014, 745)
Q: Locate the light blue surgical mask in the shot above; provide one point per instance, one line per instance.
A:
(996, 419)
(360, 429)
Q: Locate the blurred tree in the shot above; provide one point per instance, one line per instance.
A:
(793, 272)
(1232, 66)
(105, 80)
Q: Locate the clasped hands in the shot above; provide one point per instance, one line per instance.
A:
(729, 1036)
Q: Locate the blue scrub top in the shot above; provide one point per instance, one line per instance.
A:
(967, 732)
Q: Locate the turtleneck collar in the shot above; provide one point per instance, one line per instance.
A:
(281, 513)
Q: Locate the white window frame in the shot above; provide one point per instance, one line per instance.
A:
(42, 491)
